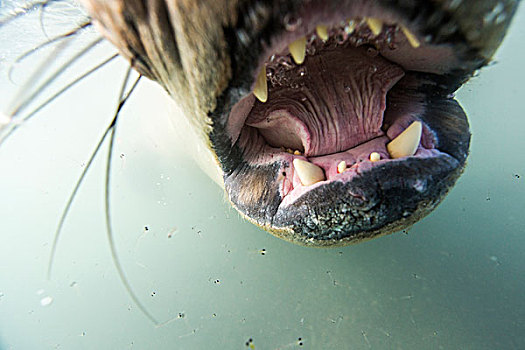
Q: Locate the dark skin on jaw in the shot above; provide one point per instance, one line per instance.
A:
(284, 92)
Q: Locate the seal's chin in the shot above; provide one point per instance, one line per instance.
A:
(349, 131)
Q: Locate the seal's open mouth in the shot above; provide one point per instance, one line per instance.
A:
(321, 108)
(350, 131)
(332, 121)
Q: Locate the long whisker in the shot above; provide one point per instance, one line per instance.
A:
(41, 18)
(22, 10)
(22, 105)
(27, 117)
(38, 73)
(46, 43)
(73, 194)
(109, 228)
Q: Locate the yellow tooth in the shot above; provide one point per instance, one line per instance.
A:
(374, 157)
(322, 32)
(375, 25)
(349, 29)
(298, 50)
(406, 143)
(341, 167)
(260, 89)
(297, 152)
(414, 42)
(308, 173)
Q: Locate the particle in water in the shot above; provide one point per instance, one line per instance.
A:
(45, 301)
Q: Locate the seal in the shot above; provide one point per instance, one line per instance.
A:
(326, 122)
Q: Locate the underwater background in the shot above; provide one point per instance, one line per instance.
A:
(455, 280)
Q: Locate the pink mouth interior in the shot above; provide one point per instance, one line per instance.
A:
(330, 103)
(331, 108)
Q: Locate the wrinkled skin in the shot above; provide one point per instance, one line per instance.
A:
(208, 54)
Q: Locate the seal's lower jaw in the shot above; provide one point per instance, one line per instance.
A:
(349, 133)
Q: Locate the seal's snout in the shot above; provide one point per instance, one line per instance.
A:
(332, 122)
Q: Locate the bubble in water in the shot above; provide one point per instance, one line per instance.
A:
(45, 301)
(4, 119)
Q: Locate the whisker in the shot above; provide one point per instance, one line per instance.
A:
(37, 74)
(26, 118)
(73, 194)
(109, 228)
(38, 90)
(110, 130)
(22, 10)
(44, 44)
(41, 18)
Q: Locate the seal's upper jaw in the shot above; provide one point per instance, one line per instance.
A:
(349, 131)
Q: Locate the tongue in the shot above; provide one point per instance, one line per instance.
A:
(332, 102)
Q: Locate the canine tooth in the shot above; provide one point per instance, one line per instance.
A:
(322, 32)
(261, 87)
(308, 173)
(374, 157)
(298, 50)
(375, 25)
(297, 152)
(341, 167)
(414, 42)
(406, 143)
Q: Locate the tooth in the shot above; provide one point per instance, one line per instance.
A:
(322, 32)
(406, 143)
(374, 157)
(260, 89)
(375, 25)
(414, 42)
(341, 167)
(297, 152)
(298, 50)
(349, 29)
(308, 173)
